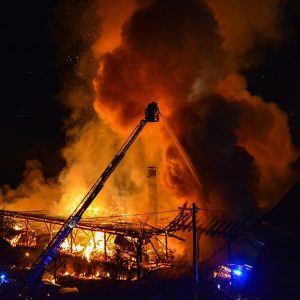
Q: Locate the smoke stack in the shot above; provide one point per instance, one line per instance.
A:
(153, 205)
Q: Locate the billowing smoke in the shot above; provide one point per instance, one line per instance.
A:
(30, 193)
(169, 51)
(243, 24)
(186, 55)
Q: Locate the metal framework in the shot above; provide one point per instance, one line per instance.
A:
(52, 249)
(124, 225)
(135, 230)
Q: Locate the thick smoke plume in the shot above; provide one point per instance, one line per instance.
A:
(243, 24)
(30, 193)
(187, 55)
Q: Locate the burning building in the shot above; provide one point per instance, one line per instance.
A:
(190, 57)
(128, 238)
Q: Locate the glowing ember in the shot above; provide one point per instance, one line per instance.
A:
(14, 241)
(18, 227)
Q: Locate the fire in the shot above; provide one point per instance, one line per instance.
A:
(18, 227)
(203, 97)
(89, 248)
(22, 235)
(189, 58)
(95, 245)
(14, 241)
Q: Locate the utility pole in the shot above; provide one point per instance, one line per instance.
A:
(195, 251)
(229, 250)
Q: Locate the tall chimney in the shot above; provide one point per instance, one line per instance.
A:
(153, 205)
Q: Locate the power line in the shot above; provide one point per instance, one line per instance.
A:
(223, 211)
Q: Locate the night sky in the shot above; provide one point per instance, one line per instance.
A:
(34, 71)
(31, 116)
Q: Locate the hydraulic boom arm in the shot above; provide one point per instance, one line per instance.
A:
(52, 249)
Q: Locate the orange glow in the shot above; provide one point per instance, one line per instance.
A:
(112, 23)
(187, 58)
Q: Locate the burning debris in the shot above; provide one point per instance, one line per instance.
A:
(189, 57)
(125, 249)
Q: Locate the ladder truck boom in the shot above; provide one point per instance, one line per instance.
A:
(53, 247)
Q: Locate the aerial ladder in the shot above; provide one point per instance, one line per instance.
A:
(51, 250)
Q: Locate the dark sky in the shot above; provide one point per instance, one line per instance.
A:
(33, 75)
(31, 116)
(277, 79)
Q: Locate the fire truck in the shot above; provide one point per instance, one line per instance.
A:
(33, 279)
